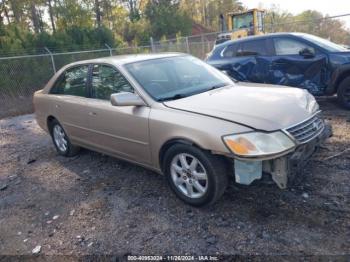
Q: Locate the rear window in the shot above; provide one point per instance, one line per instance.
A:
(251, 48)
(72, 82)
(229, 51)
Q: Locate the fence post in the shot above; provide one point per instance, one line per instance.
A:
(152, 44)
(52, 59)
(203, 45)
(187, 45)
(110, 49)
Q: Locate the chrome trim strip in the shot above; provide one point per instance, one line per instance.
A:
(307, 119)
(107, 134)
(295, 140)
(222, 52)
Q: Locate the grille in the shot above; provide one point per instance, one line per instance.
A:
(307, 130)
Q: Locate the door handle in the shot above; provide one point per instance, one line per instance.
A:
(92, 114)
(278, 63)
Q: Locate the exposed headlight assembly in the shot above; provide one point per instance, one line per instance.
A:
(258, 144)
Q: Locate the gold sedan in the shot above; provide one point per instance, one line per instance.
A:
(176, 115)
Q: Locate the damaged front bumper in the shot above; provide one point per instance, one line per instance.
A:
(281, 168)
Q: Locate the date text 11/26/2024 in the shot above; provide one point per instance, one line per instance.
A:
(172, 258)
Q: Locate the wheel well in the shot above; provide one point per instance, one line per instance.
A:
(49, 121)
(340, 78)
(170, 143)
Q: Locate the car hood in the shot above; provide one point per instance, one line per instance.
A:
(263, 107)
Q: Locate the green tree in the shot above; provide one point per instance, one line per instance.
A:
(216, 8)
(73, 13)
(62, 25)
(310, 21)
(207, 12)
(166, 18)
(134, 11)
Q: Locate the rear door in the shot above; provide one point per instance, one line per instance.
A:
(290, 68)
(247, 60)
(69, 95)
(223, 61)
(254, 59)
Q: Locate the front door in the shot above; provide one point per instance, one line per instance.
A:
(290, 68)
(121, 130)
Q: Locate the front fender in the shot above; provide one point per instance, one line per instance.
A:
(168, 124)
(338, 75)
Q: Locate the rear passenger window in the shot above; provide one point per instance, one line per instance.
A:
(286, 46)
(229, 51)
(250, 48)
(72, 82)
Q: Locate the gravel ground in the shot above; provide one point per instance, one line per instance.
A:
(95, 204)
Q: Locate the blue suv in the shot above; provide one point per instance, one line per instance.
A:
(290, 59)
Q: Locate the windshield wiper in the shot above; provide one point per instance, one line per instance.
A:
(174, 97)
(217, 86)
(178, 96)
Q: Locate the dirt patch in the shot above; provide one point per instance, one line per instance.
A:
(95, 204)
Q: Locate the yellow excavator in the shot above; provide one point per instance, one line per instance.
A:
(241, 24)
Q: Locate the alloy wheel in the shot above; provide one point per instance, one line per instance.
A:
(189, 175)
(60, 138)
(346, 94)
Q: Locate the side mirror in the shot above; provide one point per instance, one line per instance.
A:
(126, 99)
(239, 53)
(307, 52)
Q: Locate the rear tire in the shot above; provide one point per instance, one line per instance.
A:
(61, 141)
(343, 93)
(197, 177)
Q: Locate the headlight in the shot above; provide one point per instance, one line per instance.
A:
(311, 103)
(255, 144)
(313, 106)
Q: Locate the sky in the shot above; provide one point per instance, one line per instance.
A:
(330, 7)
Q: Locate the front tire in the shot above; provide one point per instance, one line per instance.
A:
(195, 176)
(343, 93)
(61, 141)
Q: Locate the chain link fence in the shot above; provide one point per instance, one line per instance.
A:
(196, 45)
(21, 76)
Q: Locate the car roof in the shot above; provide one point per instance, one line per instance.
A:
(256, 37)
(125, 59)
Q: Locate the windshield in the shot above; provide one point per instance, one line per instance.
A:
(242, 21)
(328, 45)
(176, 77)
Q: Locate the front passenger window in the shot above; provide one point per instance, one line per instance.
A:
(286, 46)
(106, 81)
